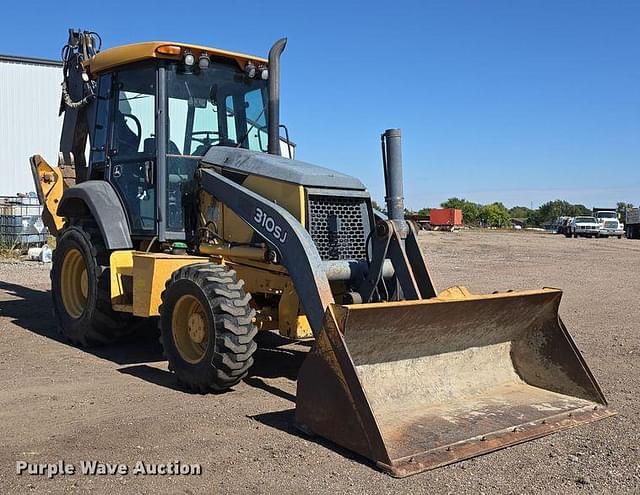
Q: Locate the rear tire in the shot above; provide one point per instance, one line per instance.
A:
(206, 327)
(80, 288)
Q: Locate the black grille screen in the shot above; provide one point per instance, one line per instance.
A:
(339, 226)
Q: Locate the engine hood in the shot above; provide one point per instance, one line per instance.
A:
(245, 162)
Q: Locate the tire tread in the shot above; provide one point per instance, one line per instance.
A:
(234, 330)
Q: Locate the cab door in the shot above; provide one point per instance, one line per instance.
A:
(131, 154)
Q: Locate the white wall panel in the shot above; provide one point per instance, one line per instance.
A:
(29, 122)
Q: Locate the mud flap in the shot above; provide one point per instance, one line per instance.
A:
(415, 385)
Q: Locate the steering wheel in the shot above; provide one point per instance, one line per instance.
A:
(205, 140)
(136, 121)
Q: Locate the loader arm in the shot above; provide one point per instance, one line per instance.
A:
(297, 252)
(285, 235)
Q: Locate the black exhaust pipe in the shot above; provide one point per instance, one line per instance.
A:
(274, 96)
(392, 162)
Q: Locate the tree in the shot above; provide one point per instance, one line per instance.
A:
(622, 209)
(424, 211)
(454, 203)
(521, 212)
(551, 210)
(495, 215)
(577, 210)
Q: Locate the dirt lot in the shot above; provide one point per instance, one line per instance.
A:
(119, 404)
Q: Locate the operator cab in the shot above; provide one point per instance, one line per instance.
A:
(155, 119)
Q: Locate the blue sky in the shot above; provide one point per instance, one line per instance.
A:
(513, 101)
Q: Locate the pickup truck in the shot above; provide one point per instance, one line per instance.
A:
(585, 227)
(609, 224)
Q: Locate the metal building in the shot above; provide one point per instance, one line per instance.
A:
(29, 122)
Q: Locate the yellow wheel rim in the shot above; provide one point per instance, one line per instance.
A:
(190, 329)
(75, 283)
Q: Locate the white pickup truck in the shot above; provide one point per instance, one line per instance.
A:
(585, 227)
(609, 224)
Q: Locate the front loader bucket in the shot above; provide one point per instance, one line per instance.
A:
(419, 384)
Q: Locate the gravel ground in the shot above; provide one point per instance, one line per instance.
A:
(118, 404)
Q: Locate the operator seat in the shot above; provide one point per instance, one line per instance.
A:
(128, 141)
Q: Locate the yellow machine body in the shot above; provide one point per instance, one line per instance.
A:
(138, 278)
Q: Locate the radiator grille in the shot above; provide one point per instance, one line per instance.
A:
(339, 226)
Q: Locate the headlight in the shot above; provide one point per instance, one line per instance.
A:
(203, 61)
(189, 59)
(250, 70)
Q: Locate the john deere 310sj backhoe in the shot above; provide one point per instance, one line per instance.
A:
(185, 209)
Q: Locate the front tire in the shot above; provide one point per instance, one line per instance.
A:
(206, 327)
(80, 288)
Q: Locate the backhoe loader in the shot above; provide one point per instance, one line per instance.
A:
(189, 208)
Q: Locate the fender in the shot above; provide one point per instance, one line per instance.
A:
(99, 199)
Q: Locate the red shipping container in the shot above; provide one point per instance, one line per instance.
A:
(445, 216)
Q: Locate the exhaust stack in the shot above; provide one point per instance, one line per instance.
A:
(274, 96)
(391, 141)
(392, 162)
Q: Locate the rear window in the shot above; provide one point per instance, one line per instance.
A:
(607, 214)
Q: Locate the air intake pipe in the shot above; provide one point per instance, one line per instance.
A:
(274, 96)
